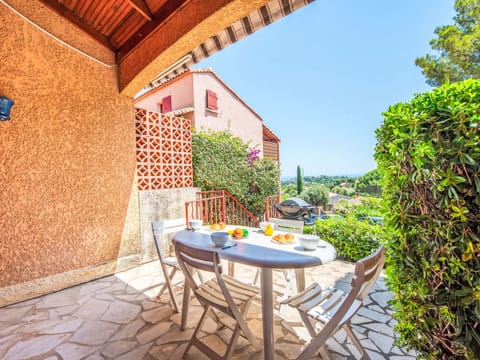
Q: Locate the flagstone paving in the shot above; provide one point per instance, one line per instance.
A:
(119, 317)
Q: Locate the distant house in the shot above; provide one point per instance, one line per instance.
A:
(334, 198)
(202, 97)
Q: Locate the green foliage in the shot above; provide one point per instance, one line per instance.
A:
(457, 46)
(329, 181)
(370, 183)
(263, 182)
(316, 194)
(289, 190)
(353, 239)
(429, 152)
(344, 191)
(289, 187)
(299, 180)
(220, 161)
(368, 206)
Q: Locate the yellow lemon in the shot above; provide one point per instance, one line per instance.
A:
(268, 230)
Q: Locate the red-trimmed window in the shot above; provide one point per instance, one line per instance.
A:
(166, 104)
(212, 100)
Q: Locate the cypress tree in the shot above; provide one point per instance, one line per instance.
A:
(299, 180)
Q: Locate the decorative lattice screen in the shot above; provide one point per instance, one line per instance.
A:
(164, 151)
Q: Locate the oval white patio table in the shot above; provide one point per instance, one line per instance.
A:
(260, 251)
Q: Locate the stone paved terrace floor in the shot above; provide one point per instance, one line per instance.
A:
(118, 317)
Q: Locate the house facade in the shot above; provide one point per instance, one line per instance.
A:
(201, 96)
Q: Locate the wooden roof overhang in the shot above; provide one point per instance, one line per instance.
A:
(268, 135)
(148, 36)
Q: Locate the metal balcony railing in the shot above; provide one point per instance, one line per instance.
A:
(219, 206)
(270, 209)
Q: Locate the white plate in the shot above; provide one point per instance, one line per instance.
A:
(285, 243)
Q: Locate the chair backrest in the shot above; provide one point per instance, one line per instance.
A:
(293, 226)
(197, 259)
(366, 273)
(342, 306)
(370, 267)
(164, 227)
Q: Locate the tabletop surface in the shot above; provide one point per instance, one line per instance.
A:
(259, 250)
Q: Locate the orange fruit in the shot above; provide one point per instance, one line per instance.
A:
(238, 233)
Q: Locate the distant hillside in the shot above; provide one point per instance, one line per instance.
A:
(367, 184)
(327, 180)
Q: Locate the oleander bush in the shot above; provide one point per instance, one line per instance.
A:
(428, 150)
(352, 238)
(223, 161)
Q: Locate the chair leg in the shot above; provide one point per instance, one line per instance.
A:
(231, 268)
(165, 285)
(308, 324)
(242, 323)
(197, 329)
(257, 276)
(355, 340)
(168, 285)
(324, 353)
(233, 341)
(316, 344)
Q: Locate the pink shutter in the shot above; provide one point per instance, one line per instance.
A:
(167, 104)
(212, 100)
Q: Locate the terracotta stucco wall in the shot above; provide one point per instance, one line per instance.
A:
(68, 197)
(232, 113)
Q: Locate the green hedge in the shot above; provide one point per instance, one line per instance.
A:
(428, 150)
(353, 239)
(223, 161)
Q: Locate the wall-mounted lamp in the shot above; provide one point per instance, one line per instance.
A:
(5, 106)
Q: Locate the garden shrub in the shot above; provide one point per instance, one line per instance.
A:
(316, 194)
(223, 161)
(370, 183)
(353, 239)
(428, 151)
(344, 191)
(367, 206)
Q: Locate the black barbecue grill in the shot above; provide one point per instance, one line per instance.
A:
(295, 209)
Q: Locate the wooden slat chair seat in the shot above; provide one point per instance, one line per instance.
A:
(165, 227)
(333, 309)
(221, 293)
(294, 227)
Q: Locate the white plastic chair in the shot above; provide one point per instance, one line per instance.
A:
(333, 309)
(160, 228)
(221, 293)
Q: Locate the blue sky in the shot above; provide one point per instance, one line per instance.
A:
(322, 76)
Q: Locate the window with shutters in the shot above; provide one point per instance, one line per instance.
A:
(166, 105)
(212, 100)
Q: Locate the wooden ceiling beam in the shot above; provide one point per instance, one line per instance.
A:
(162, 15)
(142, 8)
(66, 13)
